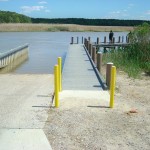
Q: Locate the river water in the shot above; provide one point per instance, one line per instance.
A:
(44, 47)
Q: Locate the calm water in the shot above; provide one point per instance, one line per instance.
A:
(44, 47)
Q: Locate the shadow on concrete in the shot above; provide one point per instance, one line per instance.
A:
(98, 106)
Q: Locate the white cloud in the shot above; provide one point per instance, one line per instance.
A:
(29, 9)
(148, 12)
(47, 11)
(116, 12)
(42, 2)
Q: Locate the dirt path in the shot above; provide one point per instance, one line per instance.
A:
(84, 124)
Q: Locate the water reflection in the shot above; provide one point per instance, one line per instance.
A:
(45, 47)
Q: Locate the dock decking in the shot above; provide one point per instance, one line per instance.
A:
(78, 72)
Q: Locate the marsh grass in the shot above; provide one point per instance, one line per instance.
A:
(29, 27)
(120, 60)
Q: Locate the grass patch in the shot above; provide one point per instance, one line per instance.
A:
(119, 59)
(136, 57)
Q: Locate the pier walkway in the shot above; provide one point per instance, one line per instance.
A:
(78, 72)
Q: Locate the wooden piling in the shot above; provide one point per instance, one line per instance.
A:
(94, 54)
(108, 74)
(88, 43)
(113, 40)
(99, 61)
(77, 40)
(72, 40)
(97, 40)
(122, 39)
(104, 39)
(119, 39)
(90, 49)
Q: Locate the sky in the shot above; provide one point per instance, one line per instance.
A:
(103, 9)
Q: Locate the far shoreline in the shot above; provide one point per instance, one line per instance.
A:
(31, 27)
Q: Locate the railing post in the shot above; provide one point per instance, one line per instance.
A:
(77, 40)
(112, 86)
(97, 40)
(71, 40)
(90, 49)
(99, 61)
(113, 40)
(59, 73)
(108, 74)
(119, 39)
(85, 42)
(126, 39)
(88, 43)
(94, 54)
(56, 82)
(104, 39)
(122, 39)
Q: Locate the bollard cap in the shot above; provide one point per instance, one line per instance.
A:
(110, 63)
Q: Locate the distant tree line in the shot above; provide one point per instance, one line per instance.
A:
(90, 22)
(12, 17)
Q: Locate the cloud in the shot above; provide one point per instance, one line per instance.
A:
(47, 11)
(29, 9)
(115, 12)
(148, 12)
(42, 2)
(130, 6)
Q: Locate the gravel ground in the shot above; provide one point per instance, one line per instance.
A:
(84, 124)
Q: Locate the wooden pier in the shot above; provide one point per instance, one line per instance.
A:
(82, 67)
(79, 71)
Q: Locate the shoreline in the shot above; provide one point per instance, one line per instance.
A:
(30, 27)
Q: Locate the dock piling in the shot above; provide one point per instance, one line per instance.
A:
(94, 54)
(72, 40)
(108, 74)
(99, 61)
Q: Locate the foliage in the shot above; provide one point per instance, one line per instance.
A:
(140, 46)
(12, 17)
(90, 22)
(136, 57)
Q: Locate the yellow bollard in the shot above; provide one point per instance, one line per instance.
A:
(56, 86)
(59, 72)
(112, 86)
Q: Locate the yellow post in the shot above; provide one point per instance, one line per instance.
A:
(112, 86)
(59, 72)
(56, 86)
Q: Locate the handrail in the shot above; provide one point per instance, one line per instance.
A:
(12, 51)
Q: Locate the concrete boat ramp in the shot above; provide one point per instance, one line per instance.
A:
(24, 106)
(25, 100)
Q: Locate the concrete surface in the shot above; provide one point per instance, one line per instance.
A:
(78, 73)
(102, 97)
(24, 104)
(23, 139)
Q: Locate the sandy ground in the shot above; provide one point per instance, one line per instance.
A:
(83, 123)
